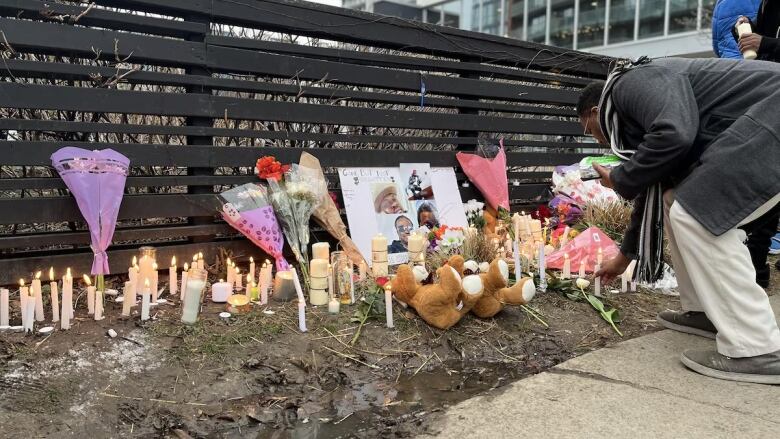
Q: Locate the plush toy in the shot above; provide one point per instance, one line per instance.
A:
(497, 293)
(491, 219)
(444, 303)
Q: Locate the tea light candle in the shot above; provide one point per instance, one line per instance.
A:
(67, 300)
(220, 292)
(251, 270)
(128, 298)
(4, 293)
(301, 301)
(321, 250)
(90, 295)
(173, 277)
(155, 285)
(566, 267)
(379, 256)
(238, 304)
(184, 275)
(37, 293)
(146, 300)
(582, 268)
(98, 305)
(55, 297)
(389, 305)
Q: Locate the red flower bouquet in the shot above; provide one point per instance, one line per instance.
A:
(269, 168)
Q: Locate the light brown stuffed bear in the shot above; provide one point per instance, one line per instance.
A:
(497, 293)
(441, 304)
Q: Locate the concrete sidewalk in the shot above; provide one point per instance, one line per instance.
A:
(637, 389)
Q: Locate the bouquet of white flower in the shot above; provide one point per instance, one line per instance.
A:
(474, 214)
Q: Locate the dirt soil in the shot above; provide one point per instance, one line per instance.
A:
(256, 375)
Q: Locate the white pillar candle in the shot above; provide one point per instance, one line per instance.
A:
(67, 300)
(195, 261)
(29, 314)
(379, 256)
(55, 297)
(37, 293)
(155, 283)
(4, 293)
(252, 268)
(331, 290)
(23, 301)
(301, 301)
(362, 271)
(416, 249)
(542, 268)
(389, 305)
(321, 250)
(201, 261)
(249, 286)
(597, 281)
(98, 305)
(193, 297)
(220, 292)
(582, 268)
(146, 300)
(624, 282)
(128, 299)
(599, 257)
(184, 275)
(566, 267)
(229, 271)
(90, 295)
(269, 273)
(173, 278)
(334, 306)
(516, 256)
(237, 279)
(264, 283)
(633, 286)
(516, 225)
(318, 273)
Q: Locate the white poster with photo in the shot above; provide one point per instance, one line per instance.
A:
(380, 200)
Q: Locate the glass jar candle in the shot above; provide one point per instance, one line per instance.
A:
(193, 295)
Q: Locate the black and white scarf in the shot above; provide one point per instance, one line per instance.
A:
(651, 236)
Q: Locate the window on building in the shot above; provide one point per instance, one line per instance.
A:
(452, 13)
(682, 15)
(651, 18)
(706, 13)
(537, 20)
(621, 20)
(515, 19)
(591, 23)
(562, 24)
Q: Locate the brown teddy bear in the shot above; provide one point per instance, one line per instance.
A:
(497, 293)
(441, 304)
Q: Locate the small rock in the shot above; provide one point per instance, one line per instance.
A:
(112, 333)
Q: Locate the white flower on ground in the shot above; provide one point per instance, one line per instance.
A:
(582, 283)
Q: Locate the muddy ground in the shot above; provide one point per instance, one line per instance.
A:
(256, 375)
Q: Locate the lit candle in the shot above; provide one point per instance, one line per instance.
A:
(254, 292)
(184, 275)
(128, 297)
(155, 285)
(55, 297)
(4, 293)
(28, 312)
(98, 305)
(23, 296)
(379, 256)
(362, 271)
(416, 247)
(318, 272)
(582, 268)
(229, 271)
(237, 278)
(566, 266)
(599, 257)
(67, 300)
(389, 305)
(193, 296)
(542, 268)
(146, 299)
(597, 280)
(301, 301)
(132, 272)
(37, 293)
(201, 261)
(195, 263)
(90, 295)
(145, 267)
(269, 274)
(220, 291)
(173, 277)
(264, 283)
(321, 250)
(565, 236)
(252, 269)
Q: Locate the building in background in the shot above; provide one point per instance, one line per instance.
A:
(636, 27)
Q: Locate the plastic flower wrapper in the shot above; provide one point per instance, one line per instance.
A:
(489, 176)
(248, 210)
(327, 213)
(97, 181)
(294, 201)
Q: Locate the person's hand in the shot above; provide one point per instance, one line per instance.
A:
(613, 268)
(604, 174)
(749, 42)
(742, 19)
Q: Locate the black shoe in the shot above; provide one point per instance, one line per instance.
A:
(690, 322)
(762, 276)
(761, 369)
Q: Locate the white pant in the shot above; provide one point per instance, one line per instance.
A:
(715, 275)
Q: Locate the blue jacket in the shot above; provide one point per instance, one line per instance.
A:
(724, 17)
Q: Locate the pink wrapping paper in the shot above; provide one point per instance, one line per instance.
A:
(489, 176)
(260, 227)
(585, 246)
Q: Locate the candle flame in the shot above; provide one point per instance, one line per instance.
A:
(154, 266)
(566, 255)
(249, 278)
(194, 258)
(135, 261)
(146, 282)
(21, 282)
(228, 261)
(200, 255)
(87, 281)
(51, 274)
(238, 270)
(251, 260)
(173, 261)
(38, 275)
(267, 262)
(67, 273)
(186, 266)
